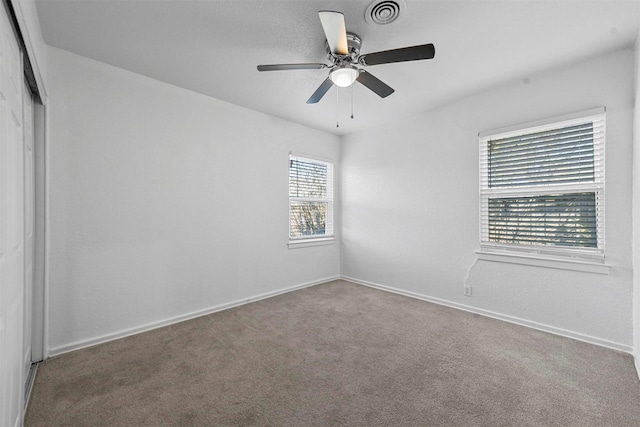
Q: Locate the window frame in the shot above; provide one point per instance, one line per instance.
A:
(329, 236)
(576, 255)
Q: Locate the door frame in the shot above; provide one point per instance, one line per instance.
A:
(40, 324)
(32, 73)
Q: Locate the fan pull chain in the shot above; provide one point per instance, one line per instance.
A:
(352, 102)
(337, 107)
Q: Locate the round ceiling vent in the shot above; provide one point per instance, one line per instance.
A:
(382, 12)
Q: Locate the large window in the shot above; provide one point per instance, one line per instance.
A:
(310, 198)
(542, 188)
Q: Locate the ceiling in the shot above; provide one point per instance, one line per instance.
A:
(214, 46)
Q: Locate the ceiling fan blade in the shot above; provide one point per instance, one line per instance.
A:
(279, 67)
(413, 53)
(319, 93)
(335, 31)
(375, 84)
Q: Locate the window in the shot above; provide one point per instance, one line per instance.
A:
(542, 188)
(310, 198)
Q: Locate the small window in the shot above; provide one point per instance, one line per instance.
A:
(310, 198)
(542, 188)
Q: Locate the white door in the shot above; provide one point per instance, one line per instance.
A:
(29, 223)
(11, 227)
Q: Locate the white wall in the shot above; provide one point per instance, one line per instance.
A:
(410, 206)
(636, 209)
(165, 202)
(150, 219)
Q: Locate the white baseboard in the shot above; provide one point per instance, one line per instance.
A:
(504, 317)
(55, 351)
(636, 359)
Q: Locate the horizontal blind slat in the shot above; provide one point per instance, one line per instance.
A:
(550, 156)
(553, 131)
(519, 168)
(567, 220)
(310, 197)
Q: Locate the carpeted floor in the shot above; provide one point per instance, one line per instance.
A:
(338, 354)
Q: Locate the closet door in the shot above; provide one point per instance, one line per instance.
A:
(11, 227)
(29, 223)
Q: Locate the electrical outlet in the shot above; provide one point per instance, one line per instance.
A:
(467, 290)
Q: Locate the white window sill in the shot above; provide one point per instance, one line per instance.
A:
(545, 261)
(305, 243)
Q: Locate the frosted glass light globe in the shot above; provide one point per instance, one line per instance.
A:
(344, 76)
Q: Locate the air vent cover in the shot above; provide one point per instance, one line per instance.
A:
(383, 12)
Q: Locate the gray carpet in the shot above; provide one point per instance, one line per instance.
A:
(338, 354)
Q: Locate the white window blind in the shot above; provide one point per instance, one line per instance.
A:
(542, 188)
(310, 198)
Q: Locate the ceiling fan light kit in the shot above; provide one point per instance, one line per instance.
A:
(343, 50)
(344, 76)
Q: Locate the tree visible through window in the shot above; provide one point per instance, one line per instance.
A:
(542, 188)
(310, 198)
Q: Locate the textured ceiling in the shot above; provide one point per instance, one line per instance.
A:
(214, 46)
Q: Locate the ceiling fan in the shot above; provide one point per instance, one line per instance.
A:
(343, 50)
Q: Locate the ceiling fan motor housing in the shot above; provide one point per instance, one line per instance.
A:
(353, 43)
